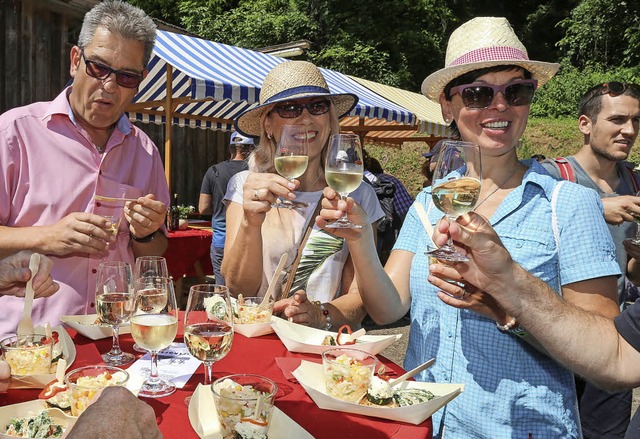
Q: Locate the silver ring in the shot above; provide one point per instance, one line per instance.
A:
(255, 195)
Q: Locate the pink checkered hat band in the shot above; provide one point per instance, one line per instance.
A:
(484, 42)
(496, 53)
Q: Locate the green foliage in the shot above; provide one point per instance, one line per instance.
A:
(560, 96)
(602, 33)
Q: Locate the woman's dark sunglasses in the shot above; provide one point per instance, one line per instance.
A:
(516, 93)
(100, 71)
(291, 110)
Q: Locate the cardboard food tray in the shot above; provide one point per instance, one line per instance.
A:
(85, 325)
(311, 377)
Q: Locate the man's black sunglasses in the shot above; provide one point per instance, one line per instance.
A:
(478, 96)
(614, 89)
(100, 71)
(292, 110)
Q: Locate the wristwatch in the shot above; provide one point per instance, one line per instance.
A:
(147, 238)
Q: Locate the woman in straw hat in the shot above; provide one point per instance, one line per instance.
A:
(512, 389)
(294, 92)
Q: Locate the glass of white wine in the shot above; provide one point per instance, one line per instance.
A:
(149, 266)
(154, 326)
(343, 171)
(291, 158)
(114, 305)
(208, 325)
(636, 239)
(456, 187)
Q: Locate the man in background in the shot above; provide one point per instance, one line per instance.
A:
(214, 186)
(55, 157)
(609, 118)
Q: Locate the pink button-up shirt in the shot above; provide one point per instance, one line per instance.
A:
(48, 169)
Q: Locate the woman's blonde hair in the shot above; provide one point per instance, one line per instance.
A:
(262, 158)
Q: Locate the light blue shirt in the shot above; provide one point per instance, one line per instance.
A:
(511, 389)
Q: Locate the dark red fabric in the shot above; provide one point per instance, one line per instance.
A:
(248, 355)
(185, 248)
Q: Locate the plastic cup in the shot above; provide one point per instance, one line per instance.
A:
(27, 355)
(84, 382)
(348, 373)
(244, 403)
(250, 312)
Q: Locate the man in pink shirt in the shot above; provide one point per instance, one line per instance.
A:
(55, 156)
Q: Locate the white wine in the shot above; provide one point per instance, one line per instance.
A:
(154, 332)
(208, 341)
(456, 197)
(291, 166)
(114, 308)
(343, 182)
(151, 300)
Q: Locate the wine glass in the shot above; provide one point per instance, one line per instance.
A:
(208, 325)
(114, 304)
(343, 171)
(636, 239)
(149, 266)
(291, 157)
(154, 325)
(456, 187)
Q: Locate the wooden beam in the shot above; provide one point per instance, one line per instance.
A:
(188, 116)
(138, 107)
(168, 127)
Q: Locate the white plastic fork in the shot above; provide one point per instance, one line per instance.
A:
(25, 326)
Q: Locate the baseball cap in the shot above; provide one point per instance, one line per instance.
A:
(239, 139)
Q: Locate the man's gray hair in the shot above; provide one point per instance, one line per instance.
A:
(128, 21)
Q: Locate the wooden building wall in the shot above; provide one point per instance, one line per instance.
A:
(35, 39)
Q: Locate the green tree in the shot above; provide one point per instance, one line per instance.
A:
(602, 33)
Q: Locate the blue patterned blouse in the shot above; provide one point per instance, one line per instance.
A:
(511, 389)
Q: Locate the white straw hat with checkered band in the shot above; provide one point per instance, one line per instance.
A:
(287, 81)
(479, 43)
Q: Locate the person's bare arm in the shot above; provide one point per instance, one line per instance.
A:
(585, 342)
(78, 232)
(204, 204)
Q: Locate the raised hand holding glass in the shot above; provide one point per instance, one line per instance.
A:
(456, 187)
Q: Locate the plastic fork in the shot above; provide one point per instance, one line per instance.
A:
(25, 326)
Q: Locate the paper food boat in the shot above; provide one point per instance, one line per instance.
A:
(252, 330)
(204, 418)
(303, 339)
(30, 408)
(86, 325)
(39, 381)
(311, 377)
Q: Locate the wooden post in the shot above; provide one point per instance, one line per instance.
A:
(168, 128)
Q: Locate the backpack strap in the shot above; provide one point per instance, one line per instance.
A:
(566, 170)
(633, 178)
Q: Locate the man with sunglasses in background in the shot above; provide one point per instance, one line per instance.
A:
(56, 156)
(609, 117)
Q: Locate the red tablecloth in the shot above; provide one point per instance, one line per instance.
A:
(248, 355)
(186, 247)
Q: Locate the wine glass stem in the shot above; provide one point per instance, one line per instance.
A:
(207, 373)
(153, 376)
(115, 349)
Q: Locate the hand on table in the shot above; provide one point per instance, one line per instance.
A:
(78, 232)
(116, 413)
(145, 216)
(620, 209)
(14, 274)
(333, 207)
(298, 309)
(260, 191)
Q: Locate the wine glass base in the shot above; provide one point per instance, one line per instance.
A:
(447, 255)
(283, 204)
(118, 360)
(633, 241)
(157, 390)
(342, 225)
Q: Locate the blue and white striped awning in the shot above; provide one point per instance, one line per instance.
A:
(213, 83)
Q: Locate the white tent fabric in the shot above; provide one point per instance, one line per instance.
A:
(213, 83)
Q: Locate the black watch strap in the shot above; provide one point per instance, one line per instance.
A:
(147, 238)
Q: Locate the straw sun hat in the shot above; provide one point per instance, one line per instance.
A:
(479, 43)
(287, 81)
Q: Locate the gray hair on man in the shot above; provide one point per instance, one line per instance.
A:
(118, 17)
